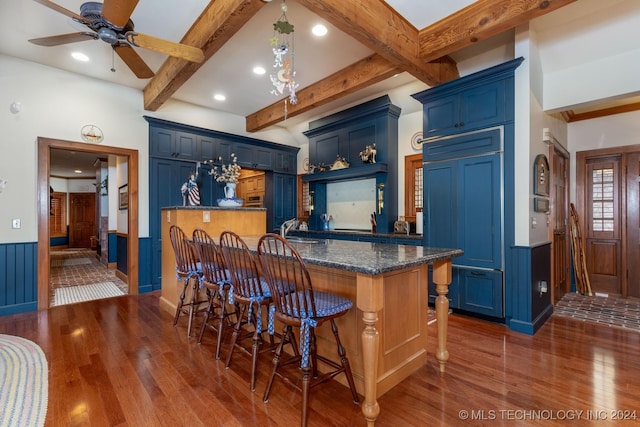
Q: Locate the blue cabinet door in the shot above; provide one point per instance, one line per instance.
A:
(440, 204)
(481, 291)
(282, 204)
(479, 212)
(473, 108)
(165, 180)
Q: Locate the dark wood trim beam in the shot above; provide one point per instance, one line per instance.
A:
(479, 21)
(220, 20)
(363, 73)
(379, 27)
(571, 116)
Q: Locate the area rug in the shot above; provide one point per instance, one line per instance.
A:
(611, 311)
(73, 294)
(70, 262)
(23, 382)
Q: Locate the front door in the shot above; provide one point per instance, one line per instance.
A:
(608, 182)
(82, 217)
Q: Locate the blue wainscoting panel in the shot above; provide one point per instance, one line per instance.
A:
(527, 309)
(59, 241)
(18, 277)
(113, 247)
(123, 250)
(144, 267)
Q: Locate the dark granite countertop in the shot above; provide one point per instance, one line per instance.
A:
(331, 233)
(212, 208)
(365, 257)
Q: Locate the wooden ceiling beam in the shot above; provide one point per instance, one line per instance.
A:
(363, 73)
(219, 21)
(380, 28)
(571, 116)
(479, 21)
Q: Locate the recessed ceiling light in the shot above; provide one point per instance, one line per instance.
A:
(77, 171)
(80, 56)
(259, 70)
(319, 30)
(219, 97)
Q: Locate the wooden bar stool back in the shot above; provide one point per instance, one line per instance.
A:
(251, 293)
(215, 278)
(304, 309)
(188, 270)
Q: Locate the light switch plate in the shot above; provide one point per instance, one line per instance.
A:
(206, 216)
(16, 223)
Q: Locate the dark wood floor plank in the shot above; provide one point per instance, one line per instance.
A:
(121, 362)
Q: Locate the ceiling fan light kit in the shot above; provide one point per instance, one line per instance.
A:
(110, 22)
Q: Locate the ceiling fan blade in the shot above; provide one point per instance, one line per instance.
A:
(167, 47)
(62, 10)
(63, 39)
(118, 12)
(133, 61)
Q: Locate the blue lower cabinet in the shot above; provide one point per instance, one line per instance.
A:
(474, 291)
(481, 291)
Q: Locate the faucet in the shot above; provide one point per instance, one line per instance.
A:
(288, 225)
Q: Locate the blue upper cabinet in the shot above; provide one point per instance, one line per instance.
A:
(172, 144)
(477, 101)
(346, 134)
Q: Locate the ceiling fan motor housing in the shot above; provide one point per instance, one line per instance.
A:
(91, 10)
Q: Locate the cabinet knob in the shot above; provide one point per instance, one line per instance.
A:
(461, 124)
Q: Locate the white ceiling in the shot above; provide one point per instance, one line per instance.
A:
(574, 34)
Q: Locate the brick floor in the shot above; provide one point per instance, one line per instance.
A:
(86, 270)
(613, 310)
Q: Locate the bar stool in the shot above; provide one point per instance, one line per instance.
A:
(250, 291)
(304, 309)
(187, 269)
(215, 277)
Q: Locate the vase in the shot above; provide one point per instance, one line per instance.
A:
(230, 190)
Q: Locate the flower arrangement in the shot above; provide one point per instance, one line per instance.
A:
(228, 173)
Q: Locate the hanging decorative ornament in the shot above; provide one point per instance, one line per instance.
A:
(284, 73)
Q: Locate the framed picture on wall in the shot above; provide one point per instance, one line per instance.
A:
(123, 197)
(541, 176)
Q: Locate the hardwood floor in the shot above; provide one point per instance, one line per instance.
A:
(121, 362)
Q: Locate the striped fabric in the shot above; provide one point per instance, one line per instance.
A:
(23, 383)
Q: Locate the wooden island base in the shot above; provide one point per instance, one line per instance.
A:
(385, 332)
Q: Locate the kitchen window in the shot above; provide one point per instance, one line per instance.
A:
(412, 186)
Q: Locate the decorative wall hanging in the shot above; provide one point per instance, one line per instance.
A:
(541, 176)
(123, 197)
(282, 45)
(416, 141)
(91, 133)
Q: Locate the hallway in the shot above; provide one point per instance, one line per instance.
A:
(74, 267)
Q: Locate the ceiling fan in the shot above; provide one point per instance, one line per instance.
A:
(110, 22)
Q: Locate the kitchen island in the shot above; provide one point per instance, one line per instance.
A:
(385, 333)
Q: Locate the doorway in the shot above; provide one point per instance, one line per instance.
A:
(608, 188)
(561, 282)
(45, 145)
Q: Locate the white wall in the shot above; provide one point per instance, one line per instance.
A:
(611, 131)
(56, 104)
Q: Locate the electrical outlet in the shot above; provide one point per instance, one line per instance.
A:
(206, 217)
(16, 223)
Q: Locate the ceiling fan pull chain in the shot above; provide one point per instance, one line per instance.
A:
(113, 59)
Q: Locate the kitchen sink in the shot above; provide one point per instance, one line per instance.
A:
(303, 240)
